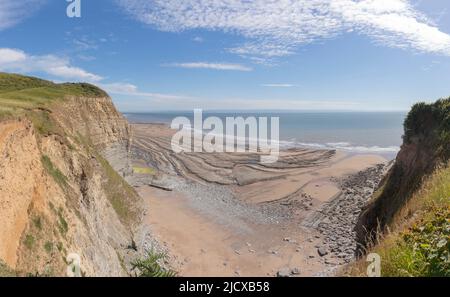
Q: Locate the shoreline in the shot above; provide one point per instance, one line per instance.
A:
(387, 152)
(225, 215)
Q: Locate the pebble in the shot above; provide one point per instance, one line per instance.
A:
(322, 251)
(284, 272)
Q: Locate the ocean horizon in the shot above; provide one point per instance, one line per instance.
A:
(357, 132)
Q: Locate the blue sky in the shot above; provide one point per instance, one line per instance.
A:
(172, 54)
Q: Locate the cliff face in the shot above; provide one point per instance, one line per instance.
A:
(58, 194)
(426, 146)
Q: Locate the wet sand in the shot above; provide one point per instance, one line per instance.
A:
(229, 215)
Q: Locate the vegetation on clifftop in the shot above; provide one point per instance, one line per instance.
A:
(18, 93)
(419, 241)
(72, 178)
(408, 222)
(431, 121)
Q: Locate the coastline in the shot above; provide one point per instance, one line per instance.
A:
(224, 215)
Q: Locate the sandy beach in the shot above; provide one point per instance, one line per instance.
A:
(225, 214)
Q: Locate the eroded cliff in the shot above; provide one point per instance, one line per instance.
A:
(58, 193)
(426, 147)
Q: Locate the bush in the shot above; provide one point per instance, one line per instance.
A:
(430, 241)
(432, 121)
(149, 266)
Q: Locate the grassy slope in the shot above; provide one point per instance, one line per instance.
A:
(20, 93)
(418, 243)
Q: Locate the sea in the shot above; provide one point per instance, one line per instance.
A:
(357, 132)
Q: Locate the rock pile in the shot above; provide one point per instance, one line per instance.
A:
(338, 218)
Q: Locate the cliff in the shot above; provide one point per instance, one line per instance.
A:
(58, 193)
(425, 147)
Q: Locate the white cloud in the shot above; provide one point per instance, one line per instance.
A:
(213, 66)
(8, 56)
(198, 39)
(15, 60)
(13, 12)
(278, 85)
(132, 90)
(278, 28)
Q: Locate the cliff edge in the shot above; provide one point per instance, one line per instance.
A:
(426, 146)
(58, 193)
(407, 221)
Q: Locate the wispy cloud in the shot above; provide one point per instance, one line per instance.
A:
(198, 39)
(277, 85)
(213, 66)
(16, 60)
(278, 28)
(132, 90)
(13, 12)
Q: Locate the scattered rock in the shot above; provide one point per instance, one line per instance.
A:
(284, 272)
(295, 271)
(273, 252)
(322, 251)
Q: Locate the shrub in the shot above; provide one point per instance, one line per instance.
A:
(149, 266)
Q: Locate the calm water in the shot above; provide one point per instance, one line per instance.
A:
(379, 132)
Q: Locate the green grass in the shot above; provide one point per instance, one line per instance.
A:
(37, 222)
(60, 246)
(43, 123)
(29, 241)
(422, 248)
(57, 175)
(419, 244)
(14, 82)
(18, 93)
(119, 193)
(5, 271)
(62, 223)
(48, 246)
(431, 121)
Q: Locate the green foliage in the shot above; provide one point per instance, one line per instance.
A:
(422, 249)
(18, 93)
(57, 175)
(60, 246)
(14, 82)
(43, 123)
(149, 266)
(5, 271)
(29, 241)
(430, 241)
(37, 222)
(62, 223)
(119, 193)
(48, 246)
(432, 121)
